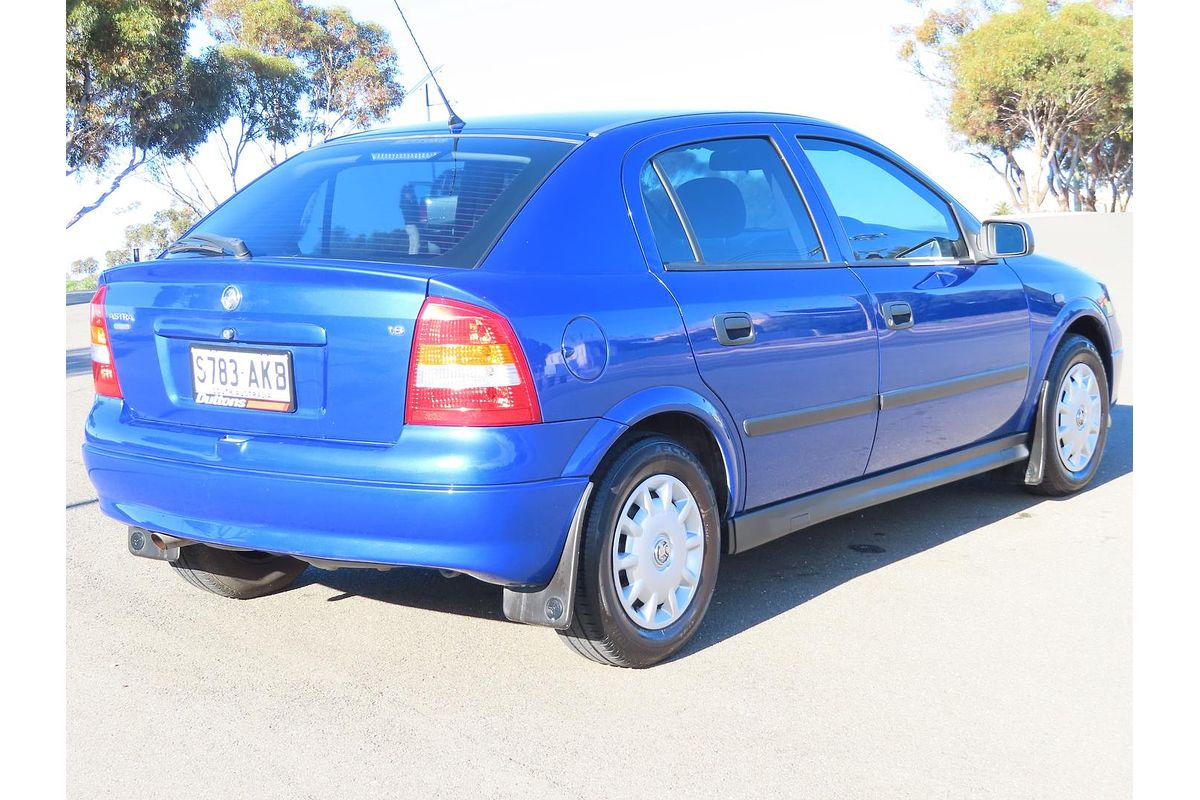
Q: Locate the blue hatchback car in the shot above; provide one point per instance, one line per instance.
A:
(582, 357)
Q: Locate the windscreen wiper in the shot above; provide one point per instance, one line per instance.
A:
(210, 243)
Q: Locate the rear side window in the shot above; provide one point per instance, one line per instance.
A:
(438, 200)
(740, 202)
(887, 212)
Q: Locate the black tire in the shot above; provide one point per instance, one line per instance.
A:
(236, 573)
(1057, 478)
(601, 630)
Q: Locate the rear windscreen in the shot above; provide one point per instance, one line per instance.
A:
(440, 200)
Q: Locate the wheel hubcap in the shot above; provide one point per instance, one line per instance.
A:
(658, 551)
(662, 553)
(1078, 417)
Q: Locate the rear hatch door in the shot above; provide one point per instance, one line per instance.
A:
(315, 350)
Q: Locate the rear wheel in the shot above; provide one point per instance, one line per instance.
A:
(236, 573)
(649, 556)
(1074, 418)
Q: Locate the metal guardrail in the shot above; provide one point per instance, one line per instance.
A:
(77, 298)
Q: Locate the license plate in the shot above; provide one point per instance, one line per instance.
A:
(241, 378)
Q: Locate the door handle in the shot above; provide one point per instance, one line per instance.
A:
(897, 314)
(734, 329)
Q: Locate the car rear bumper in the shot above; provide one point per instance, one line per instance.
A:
(363, 508)
(511, 535)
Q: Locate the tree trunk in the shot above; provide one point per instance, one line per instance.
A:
(134, 162)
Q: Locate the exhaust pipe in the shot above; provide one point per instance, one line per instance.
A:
(157, 546)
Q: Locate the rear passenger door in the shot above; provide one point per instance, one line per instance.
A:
(781, 333)
(954, 337)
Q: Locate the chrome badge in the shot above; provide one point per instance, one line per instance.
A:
(231, 298)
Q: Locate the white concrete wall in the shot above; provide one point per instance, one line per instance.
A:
(1102, 244)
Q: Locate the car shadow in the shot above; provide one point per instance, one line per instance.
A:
(411, 586)
(779, 576)
(773, 579)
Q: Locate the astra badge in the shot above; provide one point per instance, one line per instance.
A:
(231, 298)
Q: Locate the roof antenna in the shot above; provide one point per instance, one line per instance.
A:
(455, 119)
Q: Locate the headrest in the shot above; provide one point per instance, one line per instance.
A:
(714, 206)
(737, 155)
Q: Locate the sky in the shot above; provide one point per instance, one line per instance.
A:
(831, 60)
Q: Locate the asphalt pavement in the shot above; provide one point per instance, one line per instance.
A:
(971, 641)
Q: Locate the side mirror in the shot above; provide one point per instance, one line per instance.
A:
(1005, 239)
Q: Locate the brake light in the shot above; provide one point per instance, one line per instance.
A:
(467, 368)
(104, 369)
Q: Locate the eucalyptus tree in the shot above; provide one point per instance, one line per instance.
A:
(133, 93)
(299, 74)
(1046, 81)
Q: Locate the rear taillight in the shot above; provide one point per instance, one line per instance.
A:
(104, 369)
(467, 368)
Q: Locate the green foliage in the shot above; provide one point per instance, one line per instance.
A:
(1071, 67)
(85, 267)
(939, 28)
(1001, 209)
(81, 285)
(132, 92)
(264, 101)
(163, 228)
(1052, 79)
(353, 72)
(267, 92)
(150, 238)
(347, 69)
(282, 71)
(121, 61)
(297, 74)
(270, 26)
(113, 258)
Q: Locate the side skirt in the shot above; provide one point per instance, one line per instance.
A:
(750, 529)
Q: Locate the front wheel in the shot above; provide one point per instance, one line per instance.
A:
(649, 556)
(1075, 418)
(236, 573)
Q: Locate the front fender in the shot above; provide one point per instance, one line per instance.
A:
(658, 400)
(1068, 315)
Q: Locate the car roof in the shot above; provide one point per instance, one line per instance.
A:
(579, 126)
(584, 124)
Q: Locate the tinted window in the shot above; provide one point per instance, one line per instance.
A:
(421, 201)
(887, 213)
(741, 202)
(669, 235)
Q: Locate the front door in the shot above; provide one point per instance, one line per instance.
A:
(781, 333)
(954, 337)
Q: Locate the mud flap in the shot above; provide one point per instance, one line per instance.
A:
(1037, 448)
(554, 605)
